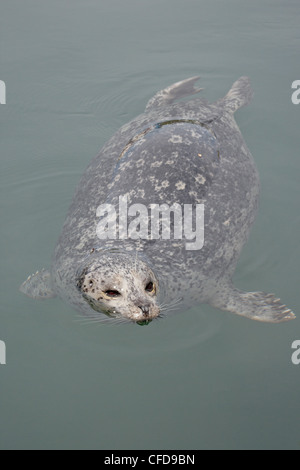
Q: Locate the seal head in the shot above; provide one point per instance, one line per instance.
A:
(120, 285)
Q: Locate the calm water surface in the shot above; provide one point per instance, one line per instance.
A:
(75, 72)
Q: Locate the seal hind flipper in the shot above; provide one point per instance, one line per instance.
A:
(38, 286)
(257, 306)
(240, 94)
(173, 92)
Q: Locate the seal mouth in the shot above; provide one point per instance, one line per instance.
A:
(144, 316)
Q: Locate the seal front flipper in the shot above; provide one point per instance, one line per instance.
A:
(172, 93)
(257, 306)
(38, 286)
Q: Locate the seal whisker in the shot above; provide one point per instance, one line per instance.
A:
(167, 310)
(92, 320)
(173, 303)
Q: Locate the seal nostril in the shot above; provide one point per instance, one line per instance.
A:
(145, 309)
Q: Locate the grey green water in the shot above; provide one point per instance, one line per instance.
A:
(75, 71)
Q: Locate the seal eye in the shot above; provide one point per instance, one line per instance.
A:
(112, 293)
(149, 287)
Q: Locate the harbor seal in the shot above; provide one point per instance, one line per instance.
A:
(188, 153)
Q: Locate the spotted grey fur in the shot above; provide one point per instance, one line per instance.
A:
(190, 153)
